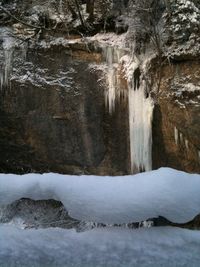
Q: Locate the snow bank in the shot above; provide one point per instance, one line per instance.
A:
(165, 192)
(99, 247)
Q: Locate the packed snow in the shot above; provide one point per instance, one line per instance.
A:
(114, 247)
(172, 194)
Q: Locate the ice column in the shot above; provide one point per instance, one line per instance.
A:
(140, 128)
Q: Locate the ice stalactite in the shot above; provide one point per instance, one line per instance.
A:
(112, 56)
(8, 53)
(186, 144)
(176, 134)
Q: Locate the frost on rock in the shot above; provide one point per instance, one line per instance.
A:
(111, 200)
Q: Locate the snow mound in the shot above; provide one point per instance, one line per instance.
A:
(172, 194)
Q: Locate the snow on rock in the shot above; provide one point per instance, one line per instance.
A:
(185, 91)
(183, 27)
(165, 192)
(111, 39)
(161, 246)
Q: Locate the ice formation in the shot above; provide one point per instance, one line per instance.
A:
(112, 56)
(140, 114)
(140, 128)
(8, 50)
(176, 135)
(186, 144)
(134, 198)
(110, 93)
(140, 106)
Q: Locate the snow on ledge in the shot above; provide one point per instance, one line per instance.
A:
(172, 194)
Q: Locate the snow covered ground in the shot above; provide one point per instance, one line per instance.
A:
(112, 247)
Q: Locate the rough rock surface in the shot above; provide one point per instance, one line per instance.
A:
(176, 125)
(54, 118)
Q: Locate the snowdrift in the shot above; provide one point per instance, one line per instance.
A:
(172, 194)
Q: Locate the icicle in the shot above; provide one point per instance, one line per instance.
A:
(8, 50)
(176, 135)
(8, 53)
(181, 137)
(110, 93)
(112, 56)
(186, 144)
(1, 80)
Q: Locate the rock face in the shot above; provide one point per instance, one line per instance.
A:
(176, 124)
(53, 118)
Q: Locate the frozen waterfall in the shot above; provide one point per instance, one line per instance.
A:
(140, 105)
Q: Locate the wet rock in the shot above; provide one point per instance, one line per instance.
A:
(28, 213)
